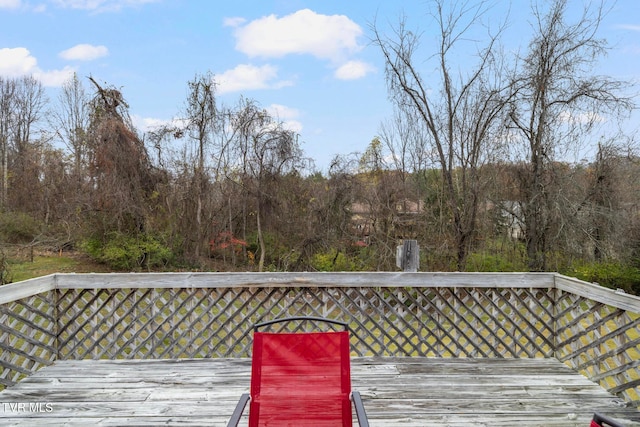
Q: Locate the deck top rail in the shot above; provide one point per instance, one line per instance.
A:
(593, 330)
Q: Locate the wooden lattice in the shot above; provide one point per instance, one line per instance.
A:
(27, 337)
(602, 342)
(217, 322)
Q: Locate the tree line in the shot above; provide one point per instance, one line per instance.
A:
(471, 165)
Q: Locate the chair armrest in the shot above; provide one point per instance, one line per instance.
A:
(237, 413)
(363, 421)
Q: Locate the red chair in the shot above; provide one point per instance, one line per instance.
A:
(600, 420)
(301, 378)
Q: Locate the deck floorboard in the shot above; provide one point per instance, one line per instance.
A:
(396, 392)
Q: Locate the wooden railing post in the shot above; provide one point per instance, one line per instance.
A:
(408, 256)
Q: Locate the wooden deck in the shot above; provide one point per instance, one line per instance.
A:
(396, 391)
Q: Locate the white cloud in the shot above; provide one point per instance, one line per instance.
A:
(18, 62)
(10, 4)
(146, 124)
(282, 111)
(353, 70)
(331, 37)
(101, 5)
(54, 78)
(233, 22)
(24, 6)
(628, 27)
(580, 118)
(287, 115)
(293, 125)
(84, 52)
(250, 77)
(15, 62)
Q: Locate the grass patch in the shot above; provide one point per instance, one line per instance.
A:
(43, 265)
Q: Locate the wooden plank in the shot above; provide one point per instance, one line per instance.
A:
(375, 408)
(26, 288)
(396, 391)
(365, 279)
(599, 293)
(15, 291)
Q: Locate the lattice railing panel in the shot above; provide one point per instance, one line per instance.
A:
(217, 322)
(27, 337)
(561, 319)
(601, 342)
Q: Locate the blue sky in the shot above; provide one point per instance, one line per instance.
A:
(309, 62)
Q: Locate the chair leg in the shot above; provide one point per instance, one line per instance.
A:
(237, 413)
(363, 421)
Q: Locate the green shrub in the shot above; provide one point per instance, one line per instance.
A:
(332, 261)
(122, 252)
(613, 275)
(17, 227)
(493, 263)
(5, 276)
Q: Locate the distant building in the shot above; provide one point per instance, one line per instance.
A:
(364, 219)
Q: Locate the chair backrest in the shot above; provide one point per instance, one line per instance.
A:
(600, 420)
(300, 379)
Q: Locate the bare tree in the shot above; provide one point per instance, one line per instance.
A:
(604, 198)
(267, 151)
(558, 101)
(407, 142)
(29, 102)
(460, 116)
(7, 100)
(608, 209)
(204, 182)
(71, 120)
(328, 212)
(202, 124)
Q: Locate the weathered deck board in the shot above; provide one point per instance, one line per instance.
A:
(396, 391)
